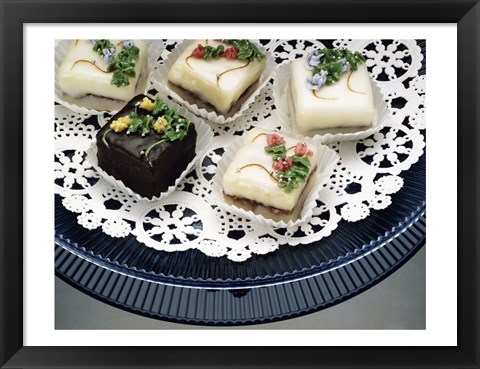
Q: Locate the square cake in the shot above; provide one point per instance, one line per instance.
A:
(103, 68)
(146, 145)
(332, 94)
(270, 170)
(218, 72)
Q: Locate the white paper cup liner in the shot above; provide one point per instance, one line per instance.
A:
(285, 111)
(160, 81)
(204, 140)
(326, 161)
(84, 105)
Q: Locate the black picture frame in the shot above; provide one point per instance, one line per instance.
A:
(14, 14)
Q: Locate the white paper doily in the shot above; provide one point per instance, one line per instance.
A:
(364, 179)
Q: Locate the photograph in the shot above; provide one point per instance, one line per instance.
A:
(239, 182)
(254, 202)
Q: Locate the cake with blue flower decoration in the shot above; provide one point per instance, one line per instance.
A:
(103, 68)
(331, 89)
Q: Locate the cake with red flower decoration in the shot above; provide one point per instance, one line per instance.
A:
(217, 72)
(331, 89)
(270, 173)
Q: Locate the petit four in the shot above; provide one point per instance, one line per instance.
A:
(217, 72)
(330, 89)
(269, 173)
(146, 145)
(103, 68)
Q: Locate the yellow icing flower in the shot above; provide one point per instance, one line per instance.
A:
(121, 123)
(160, 125)
(147, 104)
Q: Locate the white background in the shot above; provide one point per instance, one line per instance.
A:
(441, 97)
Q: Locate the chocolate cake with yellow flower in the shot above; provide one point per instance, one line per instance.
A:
(146, 145)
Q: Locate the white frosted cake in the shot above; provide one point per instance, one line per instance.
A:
(257, 177)
(217, 72)
(86, 71)
(347, 102)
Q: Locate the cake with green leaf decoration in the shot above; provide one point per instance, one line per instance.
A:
(146, 145)
(218, 72)
(330, 89)
(270, 172)
(104, 68)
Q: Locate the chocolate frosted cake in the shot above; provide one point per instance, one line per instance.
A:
(146, 145)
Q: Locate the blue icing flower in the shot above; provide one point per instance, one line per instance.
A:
(317, 81)
(94, 41)
(108, 55)
(128, 43)
(345, 66)
(312, 60)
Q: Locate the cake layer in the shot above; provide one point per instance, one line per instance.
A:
(220, 82)
(347, 103)
(84, 72)
(251, 176)
(124, 157)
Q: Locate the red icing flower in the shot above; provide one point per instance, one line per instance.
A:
(198, 52)
(274, 140)
(230, 53)
(302, 149)
(283, 164)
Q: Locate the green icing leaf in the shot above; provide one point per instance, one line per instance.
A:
(298, 173)
(333, 60)
(140, 123)
(288, 180)
(120, 79)
(123, 66)
(159, 106)
(279, 151)
(176, 129)
(303, 160)
(211, 52)
(129, 53)
(145, 127)
(135, 125)
(246, 49)
(102, 44)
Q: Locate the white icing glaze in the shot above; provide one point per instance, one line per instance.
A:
(82, 78)
(200, 76)
(347, 103)
(254, 183)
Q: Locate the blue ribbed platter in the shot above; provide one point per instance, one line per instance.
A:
(190, 287)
